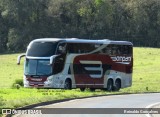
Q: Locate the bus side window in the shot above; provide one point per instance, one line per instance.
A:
(126, 50)
(80, 48)
(119, 50)
(71, 48)
(59, 63)
(114, 49)
(108, 50)
(130, 50)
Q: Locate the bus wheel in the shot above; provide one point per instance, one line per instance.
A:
(92, 89)
(68, 84)
(117, 85)
(109, 85)
(82, 89)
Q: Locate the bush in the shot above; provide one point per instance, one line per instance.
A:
(18, 83)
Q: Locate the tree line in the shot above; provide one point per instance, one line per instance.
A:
(21, 21)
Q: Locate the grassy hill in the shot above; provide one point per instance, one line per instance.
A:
(9, 71)
(146, 78)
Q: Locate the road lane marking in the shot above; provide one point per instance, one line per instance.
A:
(151, 106)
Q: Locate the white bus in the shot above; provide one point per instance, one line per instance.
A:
(78, 63)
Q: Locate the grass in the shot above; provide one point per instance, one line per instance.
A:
(9, 71)
(146, 72)
(146, 78)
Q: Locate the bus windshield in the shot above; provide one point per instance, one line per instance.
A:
(42, 49)
(37, 67)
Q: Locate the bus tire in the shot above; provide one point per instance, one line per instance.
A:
(117, 85)
(109, 85)
(68, 84)
(92, 89)
(82, 89)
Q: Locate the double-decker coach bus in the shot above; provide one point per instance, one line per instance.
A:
(78, 63)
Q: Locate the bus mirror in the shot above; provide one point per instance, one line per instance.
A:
(61, 50)
(52, 58)
(19, 58)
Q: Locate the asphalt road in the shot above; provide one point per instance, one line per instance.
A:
(111, 102)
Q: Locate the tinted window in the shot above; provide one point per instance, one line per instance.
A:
(59, 63)
(124, 49)
(117, 50)
(42, 49)
(80, 47)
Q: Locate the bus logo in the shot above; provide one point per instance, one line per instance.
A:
(121, 59)
(93, 67)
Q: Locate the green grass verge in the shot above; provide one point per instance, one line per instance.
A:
(146, 78)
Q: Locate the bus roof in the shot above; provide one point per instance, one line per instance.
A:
(76, 40)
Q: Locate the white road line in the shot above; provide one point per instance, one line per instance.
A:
(151, 106)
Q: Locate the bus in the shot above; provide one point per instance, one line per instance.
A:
(69, 63)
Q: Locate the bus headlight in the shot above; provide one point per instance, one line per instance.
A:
(48, 81)
(25, 82)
